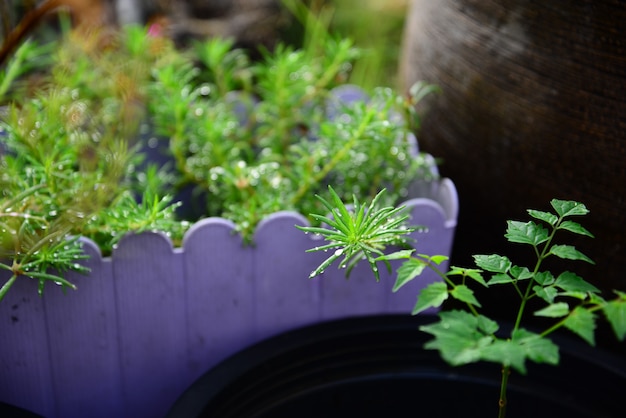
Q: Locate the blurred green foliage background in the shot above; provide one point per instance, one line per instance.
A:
(376, 26)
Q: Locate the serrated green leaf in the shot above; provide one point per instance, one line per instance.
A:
(568, 252)
(555, 310)
(576, 228)
(526, 233)
(615, 312)
(408, 271)
(437, 259)
(432, 296)
(458, 337)
(575, 295)
(457, 271)
(464, 294)
(486, 325)
(596, 299)
(544, 278)
(583, 323)
(544, 216)
(397, 255)
(493, 263)
(505, 352)
(520, 273)
(546, 293)
(500, 279)
(571, 282)
(568, 208)
(474, 274)
(538, 349)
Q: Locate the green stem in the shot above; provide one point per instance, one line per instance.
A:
(540, 257)
(562, 321)
(450, 283)
(5, 287)
(506, 372)
(21, 196)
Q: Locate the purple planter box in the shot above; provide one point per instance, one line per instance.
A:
(151, 318)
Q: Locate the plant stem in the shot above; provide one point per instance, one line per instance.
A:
(5, 287)
(506, 372)
(540, 258)
(562, 321)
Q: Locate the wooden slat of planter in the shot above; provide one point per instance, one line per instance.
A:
(150, 295)
(285, 297)
(359, 295)
(84, 350)
(220, 288)
(25, 374)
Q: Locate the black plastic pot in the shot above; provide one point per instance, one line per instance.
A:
(11, 411)
(376, 367)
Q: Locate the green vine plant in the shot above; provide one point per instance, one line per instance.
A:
(467, 336)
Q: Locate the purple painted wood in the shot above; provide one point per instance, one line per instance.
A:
(25, 373)
(219, 279)
(358, 295)
(284, 298)
(83, 342)
(150, 319)
(438, 229)
(150, 297)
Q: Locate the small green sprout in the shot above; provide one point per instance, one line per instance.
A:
(360, 232)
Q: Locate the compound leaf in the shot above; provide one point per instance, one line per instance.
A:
(547, 293)
(526, 233)
(537, 348)
(571, 282)
(409, 270)
(583, 323)
(437, 259)
(544, 216)
(568, 208)
(544, 278)
(520, 273)
(493, 263)
(459, 336)
(500, 279)
(576, 228)
(615, 312)
(506, 352)
(555, 310)
(464, 294)
(568, 252)
(432, 296)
